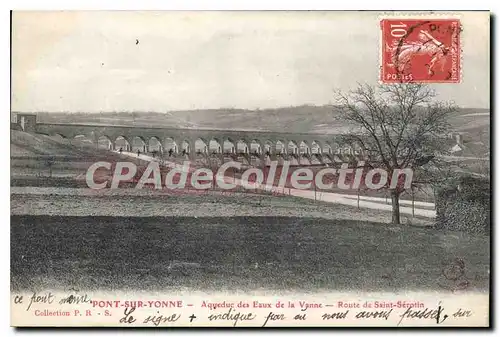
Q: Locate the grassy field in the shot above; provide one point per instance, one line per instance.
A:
(239, 253)
(145, 203)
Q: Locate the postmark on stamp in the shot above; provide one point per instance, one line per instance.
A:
(420, 51)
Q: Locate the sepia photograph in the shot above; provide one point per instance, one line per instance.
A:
(220, 164)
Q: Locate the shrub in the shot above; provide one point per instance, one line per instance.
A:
(465, 206)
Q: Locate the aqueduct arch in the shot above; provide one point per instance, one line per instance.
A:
(170, 145)
(269, 147)
(82, 140)
(242, 147)
(281, 147)
(255, 147)
(228, 145)
(316, 147)
(292, 148)
(154, 144)
(304, 148)
(215, 145)
(187, 147)
(139, 144)
(104, 142)
(123, 143)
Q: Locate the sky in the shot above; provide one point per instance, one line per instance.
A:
(164, 61)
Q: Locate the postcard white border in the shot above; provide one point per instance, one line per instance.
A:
(178, 5)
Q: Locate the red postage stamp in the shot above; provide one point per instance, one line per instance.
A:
(420, 51)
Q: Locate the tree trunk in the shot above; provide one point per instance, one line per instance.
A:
(395, 207)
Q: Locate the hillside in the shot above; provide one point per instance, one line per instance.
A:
(473, 124)
(292, 119)
(40, 156)
(28, 145)
(317, 119)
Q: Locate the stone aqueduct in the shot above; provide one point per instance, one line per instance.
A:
(177, 140)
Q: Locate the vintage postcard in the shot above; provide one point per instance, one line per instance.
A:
(250, 169)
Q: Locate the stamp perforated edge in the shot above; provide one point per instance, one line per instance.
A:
(419, 15)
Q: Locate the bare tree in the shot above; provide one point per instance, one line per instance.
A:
(396, 127)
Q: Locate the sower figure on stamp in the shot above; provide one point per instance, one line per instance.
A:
(403, 52)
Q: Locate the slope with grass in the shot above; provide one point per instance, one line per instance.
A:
(43, 157)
